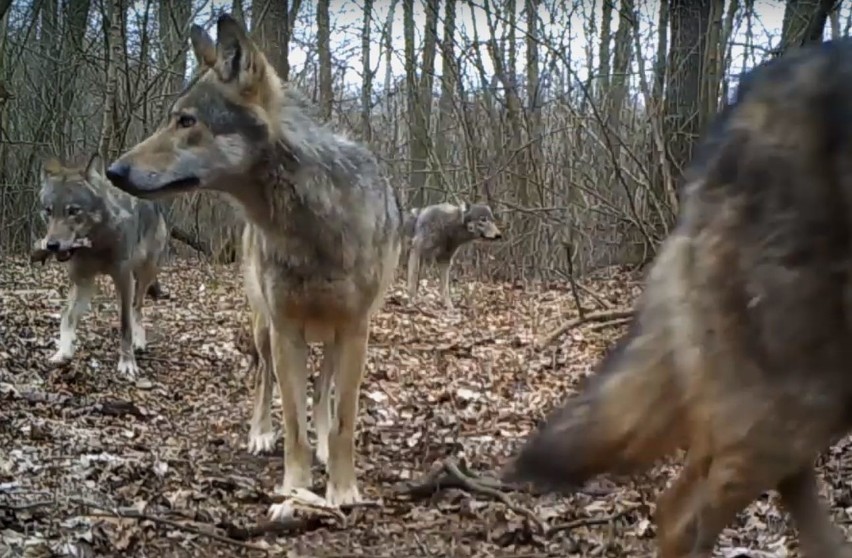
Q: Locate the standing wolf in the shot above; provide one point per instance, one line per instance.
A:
(438, 231)
(100, 230)
(323, 235)
(740, 350)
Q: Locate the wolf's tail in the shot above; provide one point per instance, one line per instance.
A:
(621, 423)
(634, 409)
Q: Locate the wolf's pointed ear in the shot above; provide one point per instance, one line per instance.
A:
(464, 207)
(50, 167)
(238, 57)
(95, 167)
(202, 46)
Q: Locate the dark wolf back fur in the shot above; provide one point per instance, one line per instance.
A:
(740, 349)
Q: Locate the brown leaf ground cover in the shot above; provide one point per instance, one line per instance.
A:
(93, 465)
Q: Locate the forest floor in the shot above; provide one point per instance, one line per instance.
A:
(94, 465)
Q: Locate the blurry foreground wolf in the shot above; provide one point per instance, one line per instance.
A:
(741, 349)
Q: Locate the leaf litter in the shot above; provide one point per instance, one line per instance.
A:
(93, 465)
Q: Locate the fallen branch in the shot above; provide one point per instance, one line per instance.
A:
(449, 475)
(605, 316)
(133, 513)
(589, 521)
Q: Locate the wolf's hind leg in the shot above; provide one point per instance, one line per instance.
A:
(145, 276)
(322, 399)
(262, 435)
(123, 279)
(818, 536)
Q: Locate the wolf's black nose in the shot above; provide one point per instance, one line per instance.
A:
(53, 246)
(118, 172)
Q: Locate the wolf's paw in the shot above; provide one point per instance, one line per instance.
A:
(127, 368)
(60, 357)
(261, 442)
(340, 496)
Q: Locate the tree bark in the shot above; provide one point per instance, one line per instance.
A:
(689, 21)
(326, 93)
(367, 79)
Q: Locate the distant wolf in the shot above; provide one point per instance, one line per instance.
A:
(438, 231)
(740, 349)
(100, 230)
(322, 241)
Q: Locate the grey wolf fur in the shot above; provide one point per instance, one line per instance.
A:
(99, 230)
(438, 231)
(740, 349)
(321, 243)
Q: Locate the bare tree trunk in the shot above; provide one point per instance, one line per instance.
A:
(662, 50)
(535, 127)
(804, 21)
(238, 12)
(711, 77)
(506, 77)
(449, 69)
(113, 10)
(272, 26)
(689, 23)
(834, 17)
(604, 62)
(410, 96)
(620, 68)
(421, 144)
(367, 83)
(173, 24)
(326, 94)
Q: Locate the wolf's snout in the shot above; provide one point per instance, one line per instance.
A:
(52, 245)
(118, 173)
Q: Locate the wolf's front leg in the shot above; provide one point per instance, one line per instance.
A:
(124, 288)
(444, 271)
(342, 486)
(413, 270)
(79, 300)
(290, 360)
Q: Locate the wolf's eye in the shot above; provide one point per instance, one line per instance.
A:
(186, 121)
(73, 210)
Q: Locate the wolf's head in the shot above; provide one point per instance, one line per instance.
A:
(217, 129)
(479, 221)
(71, 204)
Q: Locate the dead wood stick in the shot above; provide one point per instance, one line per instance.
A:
(589, 521)
(603, 316)
(450, 475)
(610, 323)
(132, 513)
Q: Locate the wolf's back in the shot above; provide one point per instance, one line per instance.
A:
(632, 411)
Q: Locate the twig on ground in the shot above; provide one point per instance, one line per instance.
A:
(450, 475)
(589, 521)
(133, 513)
(610, 323)
(608, 315)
